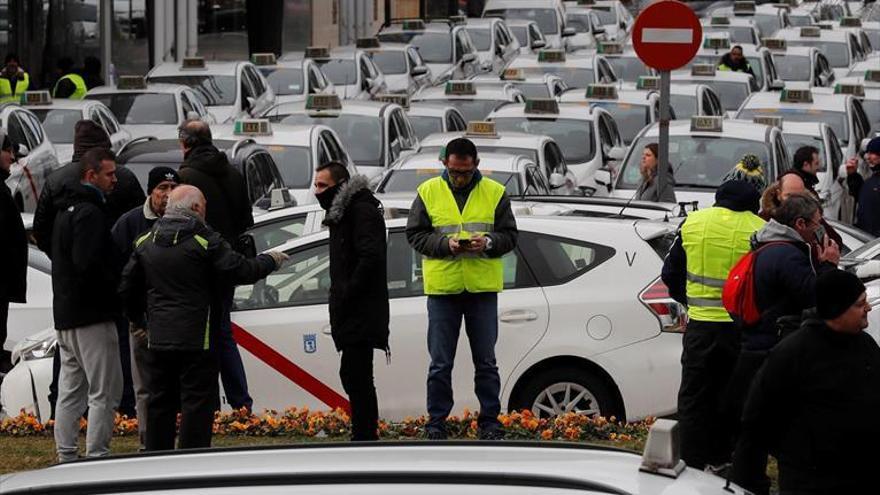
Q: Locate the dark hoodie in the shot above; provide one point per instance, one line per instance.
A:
(172, 279)
(228, 207)
(85, 264)
(735, 195)
(126, 195)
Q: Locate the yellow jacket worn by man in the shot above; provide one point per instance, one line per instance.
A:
(13, 81)
(71, 86)
(709, 244)
(462, 224)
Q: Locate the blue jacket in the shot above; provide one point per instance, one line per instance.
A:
(868, 213)
(132, 225)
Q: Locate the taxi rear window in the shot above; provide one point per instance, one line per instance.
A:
(837, 120)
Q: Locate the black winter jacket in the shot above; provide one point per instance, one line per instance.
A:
(13, 248)
(172, 278)
(358, 277)
(868, 209)
(85, 263)
(132, 225)
(228, 207)
(810, 406)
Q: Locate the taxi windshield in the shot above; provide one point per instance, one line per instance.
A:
(284, 81)
(737, 34)
(481, 38)
(697, 161)
(423, 125)
(361, 134)
(628, 68)
(793, 67)
(409, 180)
(59, 124)
(872, 110)
(731, 94)
(294, 163)
(140, 108)
(606, 15)
(684, 106)
(212, 90)
(574, 78)
(793, 142)
(580, 22)
(801, 20)
(435, 48)
(630, 118)
(521, 33)
(475, 109)
(767, 24)
(340, 71)
(836, 53)
(534, 90)
(836, 120)
(545, 18)
(574, 137)
(390, 62)
(484, 148)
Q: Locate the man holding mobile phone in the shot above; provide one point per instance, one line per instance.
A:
(462, 224)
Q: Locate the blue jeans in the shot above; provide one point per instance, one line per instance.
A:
(480, 312)
(231, 368)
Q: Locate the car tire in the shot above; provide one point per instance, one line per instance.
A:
(567, 389)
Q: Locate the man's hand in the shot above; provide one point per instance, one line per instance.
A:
(478, 244)
(829, 251)
(138, 333)
(454, 247)
(852, 165)
(279, 258)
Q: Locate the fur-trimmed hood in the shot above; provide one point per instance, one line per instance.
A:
(343, 198)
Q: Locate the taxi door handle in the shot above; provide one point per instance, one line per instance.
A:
(518, 316)
(326, 330)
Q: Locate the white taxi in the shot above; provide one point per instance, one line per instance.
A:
(59, 118)
(474, 101)
(688, 100)
(701, 152)
(445, 46)
(402, 65)
(34, 154)
(867, 70)
(732, 87)
(230, 90)
(840, 47)
(587, 27)
(150, 109)
(375, 133)
(496, 46)
(867, 33)
(632, 109)
(623, 59)
(800, 64)
(431, 117)
(353, 73)
(739, 30)
(868, 95)
(584, 133)
(296, 149)
(760, 59)
(767, 20)
(292, 79)
(548, 14)
(576, 69)
(531, 86)
(613, 17)
(528, 34)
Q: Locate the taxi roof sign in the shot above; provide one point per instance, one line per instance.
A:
(413, 25)
(513, 75)
(774, 43)
(707, 123)
(131, 82)
(872, 75)
(481, 128)
(399, 99)
(323, 102)
(610, 48)
(784, 6)
(857, 90)
(367, 43)
(648, 83)
(542, 106)
(743, 7)
(771, 120)
(719, 21)
(602, 91)
(811, 32)
(460, 88)
(252, 127)
(317, 52)
(703, 70)
(849, 21)
(796, 96)
(551, 56)
(36, 98)
(825, 26)
(193, 63)
(261, 59)
(716, 42)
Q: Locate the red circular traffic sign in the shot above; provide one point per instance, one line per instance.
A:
(667, 35)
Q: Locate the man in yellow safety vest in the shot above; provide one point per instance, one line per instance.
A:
(462, 224)
(710, 242)
(14, 81)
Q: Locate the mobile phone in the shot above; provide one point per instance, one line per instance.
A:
(465, 243)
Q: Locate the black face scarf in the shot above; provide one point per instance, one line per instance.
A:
(325, 198)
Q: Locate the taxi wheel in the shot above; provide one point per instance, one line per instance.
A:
(564, 390)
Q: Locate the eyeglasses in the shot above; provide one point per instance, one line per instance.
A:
(460, 173)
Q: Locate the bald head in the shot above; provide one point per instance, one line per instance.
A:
(790, 184)
(194, 132)
(184, 199)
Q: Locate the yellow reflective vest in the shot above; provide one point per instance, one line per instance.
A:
(471, 273)
(6, 95)
(81, 89)
(714, 239)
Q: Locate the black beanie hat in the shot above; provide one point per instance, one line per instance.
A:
(159, 175)
(836, 291)
(87, 134)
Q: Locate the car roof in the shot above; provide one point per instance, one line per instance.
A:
(519, 22)
(349, 107)
(794, 34)
(483, 22)
(573, 60)
(282, 134)
(686, 89)
(387, 46)
(742, 129)
(733, 22)
(432, 108)
(504, 139)
(567, 110)
(528, 78)
(212, 68)
(483, 92)
(803, 128)
(501, 162)
(430, 27)
(721, 75)
(162, 88)
(795, 50)
(66, 104)
(287, 63)
(821, 101)
(624, 95)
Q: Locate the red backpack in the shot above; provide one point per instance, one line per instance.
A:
(738, 295)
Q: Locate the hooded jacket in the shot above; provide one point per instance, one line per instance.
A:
(648, 191)
(85, 263)
(228, 206)
(172, 278)
(358, 278)
(785, 282)
(13, 249)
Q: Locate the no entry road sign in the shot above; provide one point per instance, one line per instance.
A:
(667, 35)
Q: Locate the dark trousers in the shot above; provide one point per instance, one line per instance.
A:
(5, 356)
(480, 313)
(187, 378)
(356, 372)
(126, 403)
(707, 362)
(231, 368)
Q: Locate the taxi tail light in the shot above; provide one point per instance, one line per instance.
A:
(672, 315)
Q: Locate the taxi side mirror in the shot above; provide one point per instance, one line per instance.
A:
(616, 153)
(536, 44)
(598, 30)
(419, 70)
(568, 32)
(602, 177)
(557, 180)
(777, 85)
(22, 151)
(193, 115)
(468, 58)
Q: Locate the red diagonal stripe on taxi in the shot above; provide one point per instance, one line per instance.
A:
(290, 370)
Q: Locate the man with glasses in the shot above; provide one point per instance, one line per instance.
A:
(462, 224)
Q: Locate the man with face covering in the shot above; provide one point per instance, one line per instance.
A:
(868, 210)
(462, 224)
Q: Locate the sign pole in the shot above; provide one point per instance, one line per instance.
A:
(663, 144)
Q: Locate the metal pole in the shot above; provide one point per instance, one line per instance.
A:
(180, 38)
(663, 144)
(192, 22)
(158, 32)
(106, 17)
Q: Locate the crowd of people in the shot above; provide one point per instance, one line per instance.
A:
(65, 81)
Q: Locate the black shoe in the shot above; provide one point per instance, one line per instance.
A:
(433, 434)
(493, 434)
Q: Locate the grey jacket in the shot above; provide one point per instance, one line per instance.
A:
(648, 191)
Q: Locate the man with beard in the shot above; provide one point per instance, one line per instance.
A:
(735, 61)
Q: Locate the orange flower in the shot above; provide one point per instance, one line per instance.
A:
(547, 434)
